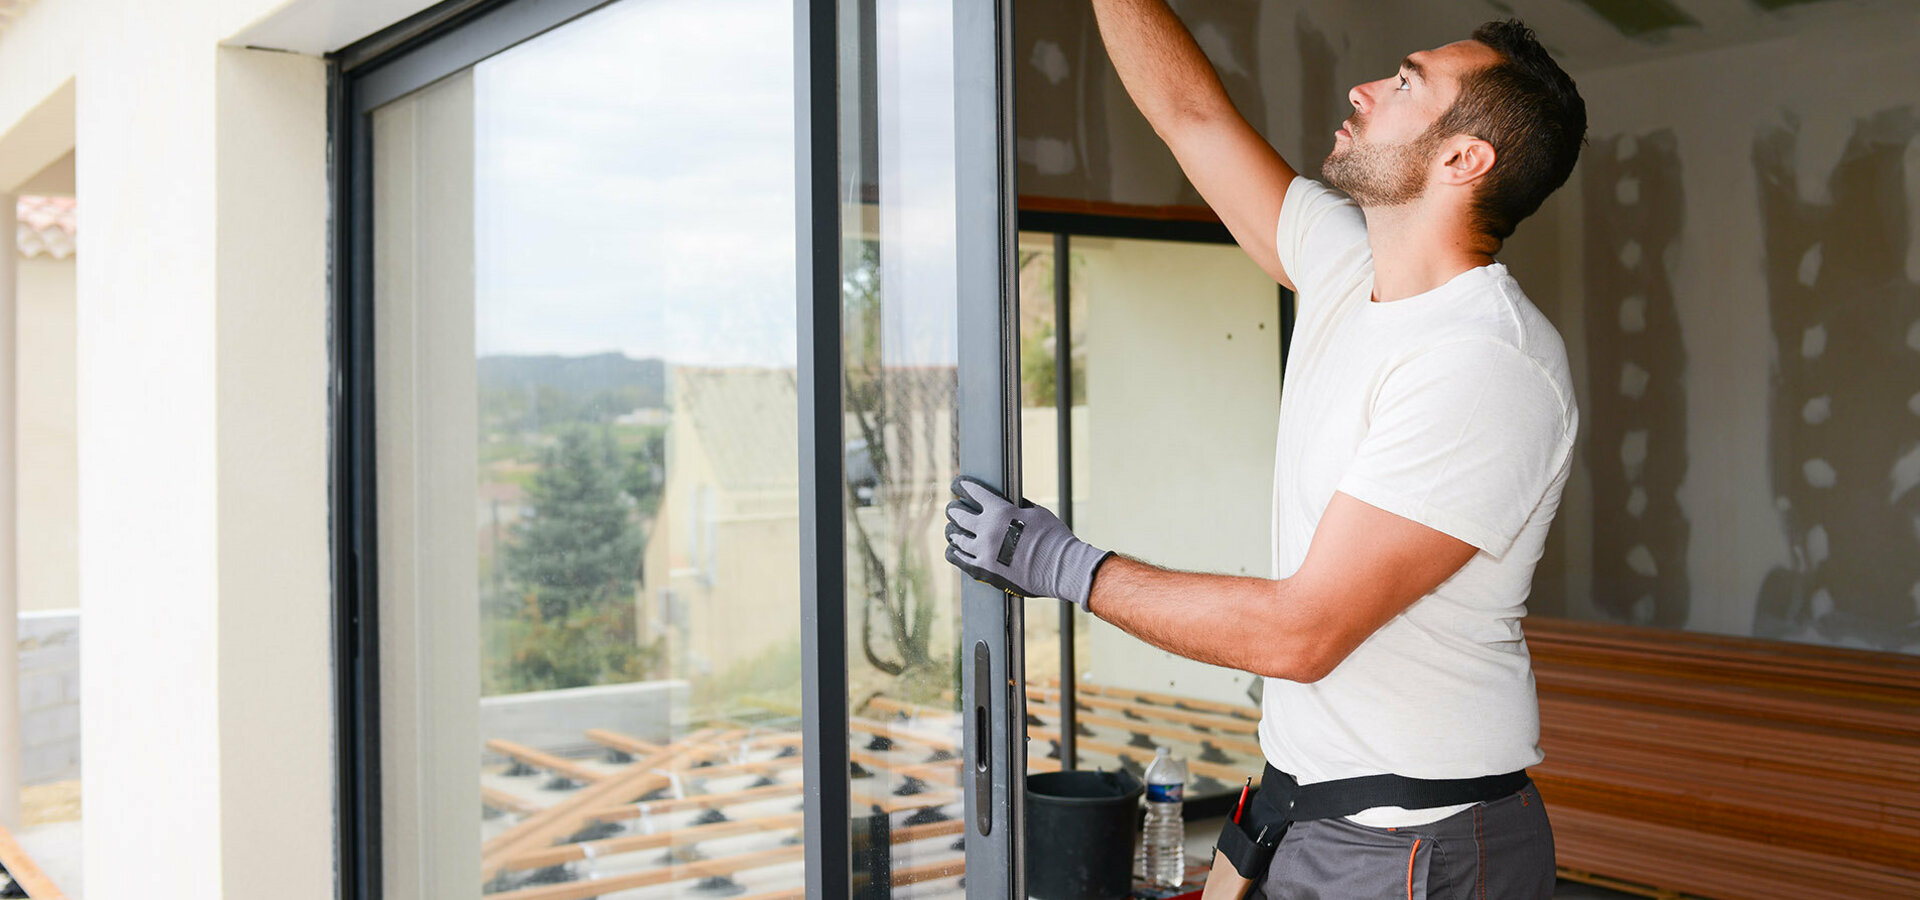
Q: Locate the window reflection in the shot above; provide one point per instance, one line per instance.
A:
(588, 464)
(1175, 360)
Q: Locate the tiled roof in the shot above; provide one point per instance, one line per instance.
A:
(46, 224)
(747, 419)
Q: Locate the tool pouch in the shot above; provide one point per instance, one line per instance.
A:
(1241, 845)
(1241, 857)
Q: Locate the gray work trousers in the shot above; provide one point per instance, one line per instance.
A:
(1498, 850)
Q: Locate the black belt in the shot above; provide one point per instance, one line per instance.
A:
(1249, 843)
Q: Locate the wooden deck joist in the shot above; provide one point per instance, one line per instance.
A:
(631, 843)
(1229, 774)
(1158, 699)
(1150, 727)
(698, 801)
(1150, 711)
(508, 803)
(25, 874)
(902, 736)
(544, 828)
(725, 865)
(542, 760)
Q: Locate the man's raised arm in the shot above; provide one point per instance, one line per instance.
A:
(1238, 173)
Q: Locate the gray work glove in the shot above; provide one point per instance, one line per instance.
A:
(1021, 549)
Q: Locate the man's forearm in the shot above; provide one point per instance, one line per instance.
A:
(1255, 625)
(1163, 69)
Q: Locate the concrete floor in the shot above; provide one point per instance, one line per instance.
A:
(55, 848)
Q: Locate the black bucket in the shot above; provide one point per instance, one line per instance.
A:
(1080, 832)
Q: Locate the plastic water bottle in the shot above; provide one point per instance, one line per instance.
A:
(1163, 839)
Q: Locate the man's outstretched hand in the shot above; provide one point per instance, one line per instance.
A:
(1022, 549)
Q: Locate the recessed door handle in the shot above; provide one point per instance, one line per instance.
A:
(982, 738)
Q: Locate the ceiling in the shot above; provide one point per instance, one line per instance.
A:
(1592, 34)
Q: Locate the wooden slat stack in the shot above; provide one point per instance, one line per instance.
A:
(1727, 767)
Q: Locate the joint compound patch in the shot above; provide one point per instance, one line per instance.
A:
(1843, 437)
(1632, 191)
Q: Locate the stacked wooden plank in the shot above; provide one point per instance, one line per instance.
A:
(1725, 767)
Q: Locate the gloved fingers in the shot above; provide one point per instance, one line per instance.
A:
(966, 562)
(962, 498)
(964, 516)
(954, 528)
(982, 497)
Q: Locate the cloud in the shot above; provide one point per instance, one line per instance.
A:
(635, 186)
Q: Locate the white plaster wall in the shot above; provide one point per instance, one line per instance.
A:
(321, 26)
(276, 725)
(39, 54)
(48, 489)
(148, 459)
(201, 395)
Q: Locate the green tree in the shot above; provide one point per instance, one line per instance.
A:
(645, 475)
(644, 479)
(575, 562)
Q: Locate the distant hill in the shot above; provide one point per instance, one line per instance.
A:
(594, 380)
(578, 375)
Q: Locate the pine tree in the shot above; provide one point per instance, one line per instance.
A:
(575, 561)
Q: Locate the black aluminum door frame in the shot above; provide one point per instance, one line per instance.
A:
(993, 680)
(458, 34)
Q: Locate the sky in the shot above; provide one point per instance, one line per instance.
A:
(635, 185)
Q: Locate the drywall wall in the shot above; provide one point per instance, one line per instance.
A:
(1635, 423)
(1843, 440)
(1785, 265)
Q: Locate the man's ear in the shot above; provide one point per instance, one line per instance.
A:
(1465, 159)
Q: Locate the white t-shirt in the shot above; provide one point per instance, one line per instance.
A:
(1453, 408)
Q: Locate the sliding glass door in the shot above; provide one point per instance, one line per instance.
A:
(906, 418)
(663, 326)
(1151, 358)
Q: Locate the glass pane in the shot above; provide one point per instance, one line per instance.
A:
(588, 463)
(1040, 479)
(1179, 402)
(901, 407)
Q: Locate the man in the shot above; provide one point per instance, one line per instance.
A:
(1426, 432)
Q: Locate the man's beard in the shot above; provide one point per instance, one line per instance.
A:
(1377, 175)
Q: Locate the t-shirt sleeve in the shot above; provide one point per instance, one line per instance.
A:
(1464, 438)
(1320, 235)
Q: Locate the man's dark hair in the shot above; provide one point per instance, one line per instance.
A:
(1530, 111)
